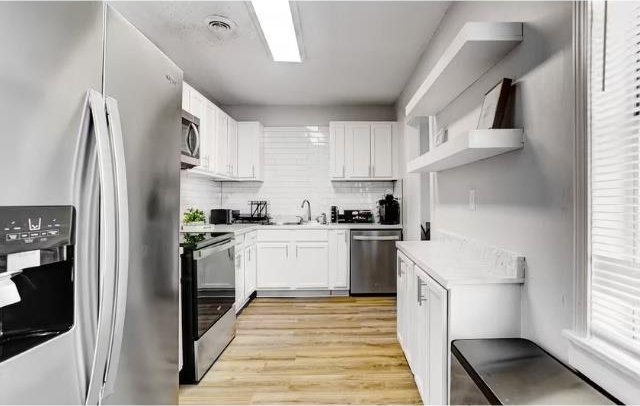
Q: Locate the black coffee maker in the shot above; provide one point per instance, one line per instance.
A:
(389, 210)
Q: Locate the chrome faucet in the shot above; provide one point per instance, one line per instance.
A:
(308, 209)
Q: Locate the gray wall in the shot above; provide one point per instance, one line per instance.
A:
(524, 199)
(295, 116)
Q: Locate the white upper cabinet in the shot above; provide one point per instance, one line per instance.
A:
(250, 150)
(381, 145)
(363, 150)
(222, 146)
(186, 95)
(336, 154)
(358, 150)
(232, 147)
(223, 155)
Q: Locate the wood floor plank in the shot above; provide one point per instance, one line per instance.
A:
(339, 350)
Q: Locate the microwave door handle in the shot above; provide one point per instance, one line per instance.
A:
(122, 264)
(193, 132)
(95, 108)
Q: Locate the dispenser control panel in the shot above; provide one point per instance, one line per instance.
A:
(27, 228)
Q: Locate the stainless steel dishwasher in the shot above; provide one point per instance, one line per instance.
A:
(373, 261)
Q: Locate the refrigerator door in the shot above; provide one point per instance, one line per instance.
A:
(147, 86)
(51, 55)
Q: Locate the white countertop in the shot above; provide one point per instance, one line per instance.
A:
(245, 228)
(444, 263)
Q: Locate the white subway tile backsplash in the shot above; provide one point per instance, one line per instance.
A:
(296, 167)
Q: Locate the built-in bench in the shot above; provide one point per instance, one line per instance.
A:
(505, 371)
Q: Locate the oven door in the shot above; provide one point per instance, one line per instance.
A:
(215, 284)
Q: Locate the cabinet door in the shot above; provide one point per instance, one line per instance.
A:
(312, 265)
(186, 95)
(437, 344)
(421, 358)
(232, 139)
(208, 133)
(339, 255)
(198, 105)
(410, 313)
(336, 151)
(239, 281)
(382, 150)
(248, 146)
(249, 270)
(274, 269)
(401, 300)
(222, 154)
(358, 150)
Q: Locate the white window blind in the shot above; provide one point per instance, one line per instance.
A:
(614, 163)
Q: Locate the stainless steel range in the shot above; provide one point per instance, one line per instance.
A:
(208, 296)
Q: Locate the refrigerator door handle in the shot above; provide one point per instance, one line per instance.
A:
(95, 107)
(122, 250)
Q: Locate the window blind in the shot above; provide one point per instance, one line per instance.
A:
(614, 174)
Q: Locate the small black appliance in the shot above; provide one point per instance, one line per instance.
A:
(221, 216)
(389, 210)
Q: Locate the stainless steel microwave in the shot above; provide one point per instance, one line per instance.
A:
(190, 150)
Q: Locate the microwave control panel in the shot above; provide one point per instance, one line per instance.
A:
(27, 228)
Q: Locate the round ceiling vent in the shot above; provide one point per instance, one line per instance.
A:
(220, 25)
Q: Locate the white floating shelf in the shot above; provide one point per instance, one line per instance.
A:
(477, 47)
(471, 147)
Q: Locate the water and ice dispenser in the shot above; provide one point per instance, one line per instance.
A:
(36, 276)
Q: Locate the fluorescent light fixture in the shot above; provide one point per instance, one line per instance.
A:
(276, 22)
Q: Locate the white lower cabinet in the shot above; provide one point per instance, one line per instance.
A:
(339, 259)
(239, 280)
(250, 265)
(422, 318)
(245, 263)
(274, 267)
(430, 317)
(302, 260)
(312, 265)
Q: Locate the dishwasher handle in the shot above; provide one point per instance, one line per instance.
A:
(376, 237)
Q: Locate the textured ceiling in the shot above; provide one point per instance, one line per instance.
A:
(355, 52)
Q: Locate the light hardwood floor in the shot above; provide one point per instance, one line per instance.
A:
(311, 351)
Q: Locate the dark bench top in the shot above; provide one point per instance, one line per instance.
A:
(517, 371)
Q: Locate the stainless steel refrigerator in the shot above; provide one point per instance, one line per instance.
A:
(90, 117)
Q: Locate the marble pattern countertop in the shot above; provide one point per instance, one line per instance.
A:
(449, 265)
(245, 228)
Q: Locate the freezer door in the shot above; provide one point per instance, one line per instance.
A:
(51, 55)
(147, 87)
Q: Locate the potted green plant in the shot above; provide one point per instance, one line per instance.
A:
(193, 216)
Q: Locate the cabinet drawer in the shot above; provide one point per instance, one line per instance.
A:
(239, 241)
(312, 235)
(275, 235)
(251, 238)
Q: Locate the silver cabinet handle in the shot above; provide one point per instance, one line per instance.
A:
(122, 265)
(287, 251)
(253, 171)
(343, 173)
(95, 108)
(203, 253)
(420, 296)
(376, 238)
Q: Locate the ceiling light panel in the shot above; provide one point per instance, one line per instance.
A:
(277, 26)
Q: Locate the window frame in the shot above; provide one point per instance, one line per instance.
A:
(611, 368)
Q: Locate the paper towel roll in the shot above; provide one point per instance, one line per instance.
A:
(8, 292)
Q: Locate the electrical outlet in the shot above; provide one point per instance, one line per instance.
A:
(472, 199)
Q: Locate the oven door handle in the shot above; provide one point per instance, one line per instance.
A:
(203, 253)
